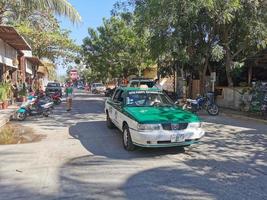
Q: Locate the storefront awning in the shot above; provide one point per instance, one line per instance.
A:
(35, 61)
(13, 38)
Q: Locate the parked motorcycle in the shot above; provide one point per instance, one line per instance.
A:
(56, 98)
(34, 106)
(202, 103)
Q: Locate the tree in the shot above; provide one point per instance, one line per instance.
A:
(19, 9)
(50, 43)
(201, 31)
(116, 49)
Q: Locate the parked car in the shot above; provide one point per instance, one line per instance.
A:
(80, 86)
(137, 82)
(52, 88)
(109, 92)
(148, 118)
(98, 88)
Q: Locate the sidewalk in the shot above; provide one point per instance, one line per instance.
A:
(5, 114)
(242, 115)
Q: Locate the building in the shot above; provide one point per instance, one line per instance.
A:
(11, 46)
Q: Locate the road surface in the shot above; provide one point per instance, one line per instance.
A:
(80, 158)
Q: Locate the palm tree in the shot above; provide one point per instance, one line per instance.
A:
(58, 7)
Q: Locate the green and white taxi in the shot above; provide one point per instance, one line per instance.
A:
(148, 118)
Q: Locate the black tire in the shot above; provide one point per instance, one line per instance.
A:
(46, 113)
(127, 139)
(109, 122)
(21, 116)
(213, 109)
(57, 102)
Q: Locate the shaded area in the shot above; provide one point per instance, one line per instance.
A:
(230, 163)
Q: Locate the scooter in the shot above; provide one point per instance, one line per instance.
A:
(200, 103)
(34, 107)
(56, 98)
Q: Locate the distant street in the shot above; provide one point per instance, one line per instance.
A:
(81, 158)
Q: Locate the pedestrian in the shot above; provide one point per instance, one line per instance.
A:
(69, 96)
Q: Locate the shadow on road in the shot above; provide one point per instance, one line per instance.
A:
(101, 141)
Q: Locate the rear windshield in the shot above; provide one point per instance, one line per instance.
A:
(99, 85)
(149, 84)
(53, 85)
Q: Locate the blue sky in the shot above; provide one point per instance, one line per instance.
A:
(92, 12)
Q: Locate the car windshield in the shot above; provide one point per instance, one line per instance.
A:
(53, 85)
(149, 84)
(99, 85)
(147, 99)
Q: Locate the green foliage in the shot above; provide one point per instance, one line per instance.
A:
(30, 9)
(209, 30)
(116, 49)
(5, 91)
(51, 43)
(217, 53)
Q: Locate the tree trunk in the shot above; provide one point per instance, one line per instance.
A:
(202, 76)
(228, 57)
(228, 69)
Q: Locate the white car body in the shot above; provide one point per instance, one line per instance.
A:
(98, 87)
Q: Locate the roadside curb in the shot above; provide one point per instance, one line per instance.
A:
(243, 117)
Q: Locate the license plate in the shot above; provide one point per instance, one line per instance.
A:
(180, 138)
(177, 138)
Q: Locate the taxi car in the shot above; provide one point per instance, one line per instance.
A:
(148, 118)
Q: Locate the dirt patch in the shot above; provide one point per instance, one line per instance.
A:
(17, 134)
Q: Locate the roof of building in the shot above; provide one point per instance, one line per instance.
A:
(35, 60)
(13, 38)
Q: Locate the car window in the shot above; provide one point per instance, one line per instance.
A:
(150, 84)
(53, 85)
(118, 96)
(99, 85)
(147, 98)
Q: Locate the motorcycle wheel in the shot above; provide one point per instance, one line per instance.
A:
(21, 116)
(46, 113)
(57, 102)
(213, 109)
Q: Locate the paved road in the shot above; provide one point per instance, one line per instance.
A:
(81, 159)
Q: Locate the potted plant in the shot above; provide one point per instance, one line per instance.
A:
(22, 93)
(1, 96)
(4, 95)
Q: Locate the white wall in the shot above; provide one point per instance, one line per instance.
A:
(7, 54)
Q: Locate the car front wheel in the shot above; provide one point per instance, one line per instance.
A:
(127, 140)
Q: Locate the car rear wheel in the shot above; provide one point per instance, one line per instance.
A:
(109, 122)
(127, 139)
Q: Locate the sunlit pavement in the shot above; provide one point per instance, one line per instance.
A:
(82, 159)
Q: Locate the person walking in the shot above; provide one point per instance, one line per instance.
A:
(69, 96)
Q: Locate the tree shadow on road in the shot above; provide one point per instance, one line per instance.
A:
(101, 141)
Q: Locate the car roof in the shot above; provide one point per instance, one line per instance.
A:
(139, 89)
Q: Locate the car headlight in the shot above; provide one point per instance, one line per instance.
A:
(148, 127)
(195, 125)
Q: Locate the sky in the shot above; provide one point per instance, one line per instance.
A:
(92, 13)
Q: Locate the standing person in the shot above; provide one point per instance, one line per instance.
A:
(69, 96)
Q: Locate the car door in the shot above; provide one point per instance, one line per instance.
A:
(117, 102)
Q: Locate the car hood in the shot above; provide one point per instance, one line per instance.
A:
(160, 115)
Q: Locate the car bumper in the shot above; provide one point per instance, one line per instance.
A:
(164, 138)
